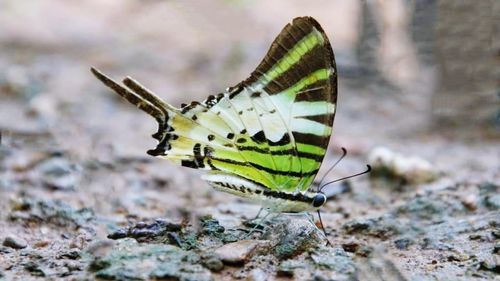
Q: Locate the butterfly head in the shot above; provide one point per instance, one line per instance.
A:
(319, 200)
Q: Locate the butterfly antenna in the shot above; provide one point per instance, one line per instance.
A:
(368, 169)
(323, 228)
(344, 153)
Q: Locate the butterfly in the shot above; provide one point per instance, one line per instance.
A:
(263, 139)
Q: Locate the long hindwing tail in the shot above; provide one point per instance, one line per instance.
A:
(272, 129)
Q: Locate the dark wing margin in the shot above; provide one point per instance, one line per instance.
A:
(319, 56)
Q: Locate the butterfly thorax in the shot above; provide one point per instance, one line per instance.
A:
(272, 200)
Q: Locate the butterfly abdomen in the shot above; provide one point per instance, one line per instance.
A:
(274, 201)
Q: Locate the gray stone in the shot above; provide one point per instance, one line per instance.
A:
(35, 269)
(330, 276)
(293, 235)
(15, 242)
(257, 274)
(403, 243)
(129, 260)
(52, 211)
(458, 256)
(496, 248)
(56, 166)
(72, 255)
(192, 272)
(381, 227)
(325, 263)
(490, 263)
(58, 173)
(5, 250)
(288, 267)
(212, 262)
(431, 207)
(334, 259)
(493, 202)
(487, 188)
(434, 243)
(147, 232)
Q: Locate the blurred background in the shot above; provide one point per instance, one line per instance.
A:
(422, 65)
(417, 77)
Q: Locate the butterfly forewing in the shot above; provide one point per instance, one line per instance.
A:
(299, 77)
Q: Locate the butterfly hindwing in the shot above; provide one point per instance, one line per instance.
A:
(272, 129)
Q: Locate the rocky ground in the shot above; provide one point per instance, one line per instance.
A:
(80, 199)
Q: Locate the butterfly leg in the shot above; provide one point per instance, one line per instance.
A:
(309, 216)
(257, 225)
(323, 228)
(258, 213)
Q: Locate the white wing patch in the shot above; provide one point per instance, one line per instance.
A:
(310, 127)
(243, 105)
(304, 108)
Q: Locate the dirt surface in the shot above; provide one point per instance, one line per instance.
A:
(80, 199)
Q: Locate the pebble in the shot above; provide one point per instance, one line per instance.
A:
(73, 266)
(15, 242)
(335, 260)
(34, 269)
(493, 201)
(59, 174)
(476, 237)
(459, 257)
(41, 244)
(351, 246)
(294, 234)
(364, 251)
(413, 169)
(212, 262)
(431, 243)
(143, 231)
(470, 202)
(403, 243)
(490, 263)
(257, 274)
(118, 234)
(487, 187)
(288, 267)
(5, 250)
(241, 251)
(72, 254)
(381, 227)
(99, 248)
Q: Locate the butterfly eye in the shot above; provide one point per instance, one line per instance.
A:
(318, 200)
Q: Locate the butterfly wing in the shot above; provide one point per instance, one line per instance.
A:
(271, 129)
(298, 78)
